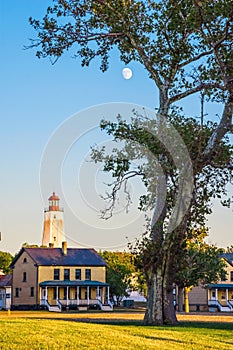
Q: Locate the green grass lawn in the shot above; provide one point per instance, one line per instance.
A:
(126, 334)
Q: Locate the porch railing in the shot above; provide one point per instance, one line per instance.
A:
(80, 302)
(226, 306)
(50, 307)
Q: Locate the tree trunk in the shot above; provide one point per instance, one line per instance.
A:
(169, 307)
(180, 299)
(160, 306)
(168, 286)
(154, 311)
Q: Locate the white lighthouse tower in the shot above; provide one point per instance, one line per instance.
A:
(53, 234)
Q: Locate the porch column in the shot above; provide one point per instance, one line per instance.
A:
(216, 294)
(67, 295)
(88, 291)
(46, 293)
(77, 295)
(97, 292)
(102, 296)
(107, 294)
(226, 293)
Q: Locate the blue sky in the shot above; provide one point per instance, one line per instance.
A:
(37, 97)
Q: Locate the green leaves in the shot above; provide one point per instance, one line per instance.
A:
(5, 261)
(200, 263)
(120, 272)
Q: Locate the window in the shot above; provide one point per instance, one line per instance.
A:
(32, 292)
(213, 294)
(231, 276)
(78, 274)
(24, 276)
(88, 274)
(224, 278)
(56, 274)
(8, 295)
(16, 292)
(67, 274)
(25, 260)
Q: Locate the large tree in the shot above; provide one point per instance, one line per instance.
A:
(164, 254)
(186, 47)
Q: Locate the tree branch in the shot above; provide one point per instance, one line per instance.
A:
(107, 213)
(198, 88)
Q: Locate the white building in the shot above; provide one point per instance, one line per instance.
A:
(5, 291)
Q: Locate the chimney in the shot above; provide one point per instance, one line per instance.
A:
(64, 248)
(51, 245)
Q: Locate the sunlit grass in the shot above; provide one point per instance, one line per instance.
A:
(34, 330)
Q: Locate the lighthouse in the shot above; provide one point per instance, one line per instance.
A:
(53, 233)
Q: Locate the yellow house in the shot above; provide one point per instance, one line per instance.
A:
(59, 278)
(220, 295)
(215, 296)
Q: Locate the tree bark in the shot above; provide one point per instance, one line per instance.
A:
(154, 311)
(169, 307)
(160, 306)
(180, 299)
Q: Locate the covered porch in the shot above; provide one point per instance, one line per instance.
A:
(77, 295)
(220, 297)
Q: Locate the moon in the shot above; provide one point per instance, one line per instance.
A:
(127, 73)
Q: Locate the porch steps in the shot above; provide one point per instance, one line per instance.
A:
(54, 309)
(226, 308)
(106, 308)
(82, 308)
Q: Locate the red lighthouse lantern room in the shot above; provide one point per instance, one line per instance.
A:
(54, 202)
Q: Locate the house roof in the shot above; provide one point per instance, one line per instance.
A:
(54, 256)
(220, 285)
(6, 280)
(73, 283)
(228, 257)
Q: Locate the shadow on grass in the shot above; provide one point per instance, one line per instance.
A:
(181, 324)
(207, 325)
